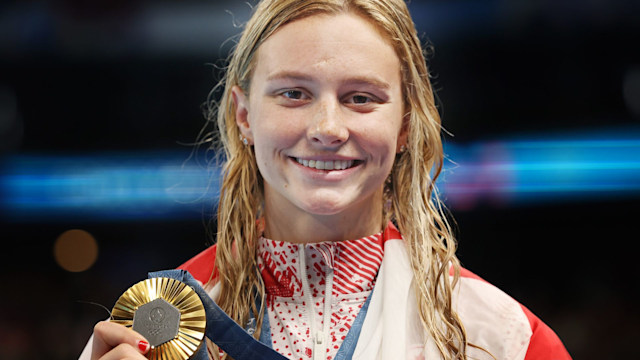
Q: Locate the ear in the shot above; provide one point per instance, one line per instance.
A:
(241, 103)
(403, 134)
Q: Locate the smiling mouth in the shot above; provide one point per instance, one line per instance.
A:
(328, 165)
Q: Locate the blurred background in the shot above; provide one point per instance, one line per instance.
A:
(99, 101)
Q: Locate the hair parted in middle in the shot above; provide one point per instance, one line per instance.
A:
(410, 195)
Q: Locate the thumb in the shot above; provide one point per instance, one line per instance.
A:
(108, 335)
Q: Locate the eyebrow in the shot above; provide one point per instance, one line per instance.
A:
(289, 75)
(356, 80)
(369, 80)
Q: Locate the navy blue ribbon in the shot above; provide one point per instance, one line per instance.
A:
(221, 329)
(237, 342)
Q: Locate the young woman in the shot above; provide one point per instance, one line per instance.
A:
(328, 213)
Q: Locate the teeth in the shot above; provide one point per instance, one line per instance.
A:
(326, 165)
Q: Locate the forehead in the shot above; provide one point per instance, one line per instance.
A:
(331, 43)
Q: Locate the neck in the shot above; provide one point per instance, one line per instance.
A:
(360, 221)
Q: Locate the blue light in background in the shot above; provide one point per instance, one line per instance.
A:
(518, 171)
(163, 185)
(131, 186)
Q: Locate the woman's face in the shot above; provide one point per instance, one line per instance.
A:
(325, 115)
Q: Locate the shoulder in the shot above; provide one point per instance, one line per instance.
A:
(202, 266)
(544, 342)
(500, 324)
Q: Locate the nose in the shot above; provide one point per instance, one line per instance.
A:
(328, 128)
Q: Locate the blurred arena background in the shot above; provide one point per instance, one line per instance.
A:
(99, 99)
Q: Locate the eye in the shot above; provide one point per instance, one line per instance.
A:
(293, 94)
(360, 99)
(289, 97)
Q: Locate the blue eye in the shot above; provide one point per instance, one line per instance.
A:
(293, 94)
(360, 99)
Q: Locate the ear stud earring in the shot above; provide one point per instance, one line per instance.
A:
(244, 140)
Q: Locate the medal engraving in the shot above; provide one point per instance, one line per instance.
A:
(158, 321)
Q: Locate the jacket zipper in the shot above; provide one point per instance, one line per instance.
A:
(320, 337)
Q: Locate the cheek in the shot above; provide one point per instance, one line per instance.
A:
(273, 139)
(272, 146)
(380, 142)
(276, 129)
(381, 134)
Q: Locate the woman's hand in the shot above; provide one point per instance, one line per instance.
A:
(114, 341)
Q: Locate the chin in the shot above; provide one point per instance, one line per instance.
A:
(321, 209)
(325, 207)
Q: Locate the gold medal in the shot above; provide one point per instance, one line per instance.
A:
(167, 312)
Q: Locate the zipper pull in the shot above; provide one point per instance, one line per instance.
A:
(318, 347)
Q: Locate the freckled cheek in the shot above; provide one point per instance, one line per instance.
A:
(278, 140)
(380, 147)
(378, 134)
(279, 129)
(271, 137)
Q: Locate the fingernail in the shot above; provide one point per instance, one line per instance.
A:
(143, 346)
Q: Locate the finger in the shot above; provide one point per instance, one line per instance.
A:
(108, 335)
(123, 352)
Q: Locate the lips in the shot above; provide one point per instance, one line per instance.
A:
(328, 164)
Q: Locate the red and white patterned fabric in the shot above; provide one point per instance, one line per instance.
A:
(354, 265)
(391, 329)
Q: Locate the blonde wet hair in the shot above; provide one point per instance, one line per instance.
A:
(410, 194)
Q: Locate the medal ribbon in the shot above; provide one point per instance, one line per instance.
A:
(221, 329)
